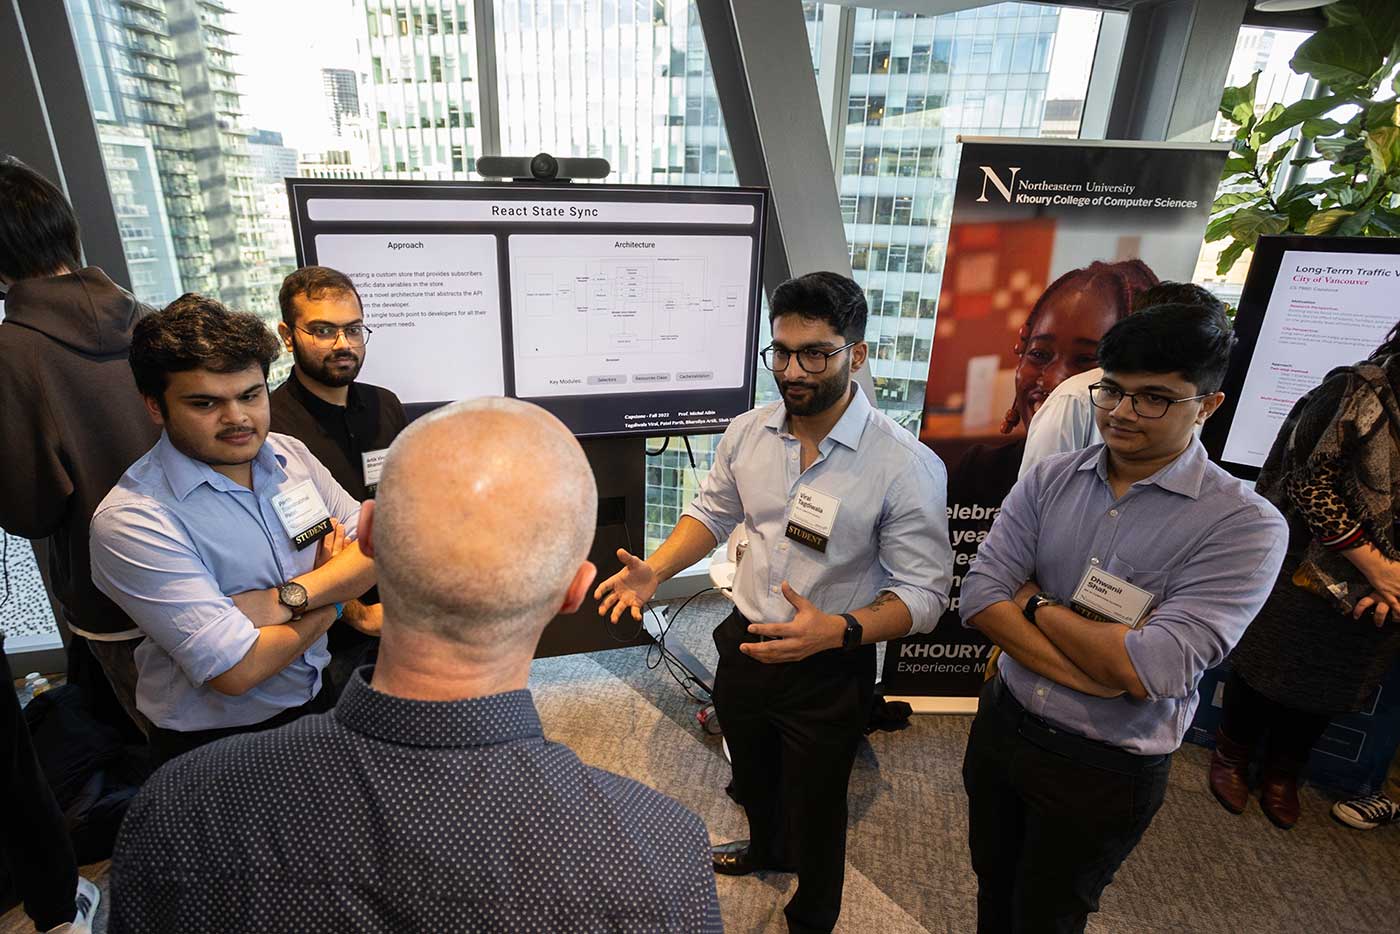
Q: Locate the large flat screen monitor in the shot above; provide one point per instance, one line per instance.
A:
(1309, 305)
(624, 310)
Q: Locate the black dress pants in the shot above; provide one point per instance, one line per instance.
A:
(1051, 817)
(168, 744)
(36, 847)
(792, 731)
(1249, 717)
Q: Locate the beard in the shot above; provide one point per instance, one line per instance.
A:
(202, 448)
(823, 394)
(317, 365)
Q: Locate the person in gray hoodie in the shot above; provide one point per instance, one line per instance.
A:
(71, 421)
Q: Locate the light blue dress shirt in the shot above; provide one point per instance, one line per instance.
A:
(1207, 547)
(891, 528)
(173, 542)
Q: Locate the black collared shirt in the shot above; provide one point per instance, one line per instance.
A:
(391, 814)
(339, 435)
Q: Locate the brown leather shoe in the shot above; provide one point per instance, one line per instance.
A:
(1229, 773)
(1278, 793)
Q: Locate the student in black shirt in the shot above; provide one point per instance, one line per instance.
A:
(347, 425)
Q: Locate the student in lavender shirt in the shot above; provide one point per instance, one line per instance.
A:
(1067, 760)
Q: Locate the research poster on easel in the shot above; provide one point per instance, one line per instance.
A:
(1309, 305)
(1050, 241)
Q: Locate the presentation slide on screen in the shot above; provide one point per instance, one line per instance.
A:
(1326, 310)
(621, 309)
(433, 304)
(602, 314)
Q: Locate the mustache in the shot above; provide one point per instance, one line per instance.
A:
(230, 432)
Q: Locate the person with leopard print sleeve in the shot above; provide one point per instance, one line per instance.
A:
(1330, 629)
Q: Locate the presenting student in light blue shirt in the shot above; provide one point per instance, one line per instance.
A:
(846, 518)
(229, 547)
(1113, 578)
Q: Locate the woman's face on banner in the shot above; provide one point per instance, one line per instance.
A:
(1064, 341)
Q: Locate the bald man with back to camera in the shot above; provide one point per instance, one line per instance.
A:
(429, 799)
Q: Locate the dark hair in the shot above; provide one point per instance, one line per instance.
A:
(1127, 278)
(1177, 293)
(38, 229)
(1390, 346)
(194, 332)
(313, 282)
(1175, 338)
(823, 296)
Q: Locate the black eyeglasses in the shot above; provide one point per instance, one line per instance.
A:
(811, 359)
(356, 335)
(1145, 404)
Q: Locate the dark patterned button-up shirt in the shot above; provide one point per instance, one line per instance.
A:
(390, 814)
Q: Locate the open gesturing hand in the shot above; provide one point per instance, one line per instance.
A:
(628, 589)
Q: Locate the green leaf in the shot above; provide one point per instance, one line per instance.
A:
(1339, 56)
(1324, 222)
(1389, 221)
(1384, 147)
(1232, 199)
(1230, 256)
(1381, 18)
(1235, 165)
(1218, 228)
(1249, 224)
(1353, 225)
(1233, 99)
(1382, 114)
(1295, 114)
(1308, 160)
(1314, 127)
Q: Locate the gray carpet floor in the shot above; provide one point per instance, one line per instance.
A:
(1199, 870)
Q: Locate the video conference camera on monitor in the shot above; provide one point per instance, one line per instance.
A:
(541, 168)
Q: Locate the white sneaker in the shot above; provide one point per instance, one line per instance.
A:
(1367, 813)
(87, 900)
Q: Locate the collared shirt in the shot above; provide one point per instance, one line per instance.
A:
(1065, 421)
(173, 542)
(391, 814)
(1206, 546)
(891, 527)
(339, 435)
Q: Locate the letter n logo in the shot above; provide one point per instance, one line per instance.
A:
(988, 175)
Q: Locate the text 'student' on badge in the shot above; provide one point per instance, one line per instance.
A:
(303, 513)
(812, 517)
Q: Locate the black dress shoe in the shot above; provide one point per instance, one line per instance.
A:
(732, 859)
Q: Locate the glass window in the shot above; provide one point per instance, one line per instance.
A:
(962, 77)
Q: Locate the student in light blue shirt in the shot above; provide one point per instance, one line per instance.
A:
(230, 548)
(846, 518)
(1112, 579)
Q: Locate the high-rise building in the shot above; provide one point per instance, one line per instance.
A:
(133, 176)
(164, 70)
(342, 96)
(917, 82)
(214, 117)
(417, 75)
(273, 164)
(134, 86)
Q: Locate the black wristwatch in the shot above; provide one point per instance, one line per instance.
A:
(293, 596)
(851, 639)
(1036, 602)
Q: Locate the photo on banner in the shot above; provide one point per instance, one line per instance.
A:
(1049, 243)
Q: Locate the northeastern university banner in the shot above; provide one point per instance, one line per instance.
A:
(1049, 242)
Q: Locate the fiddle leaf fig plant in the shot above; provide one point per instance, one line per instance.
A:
(1351, 127)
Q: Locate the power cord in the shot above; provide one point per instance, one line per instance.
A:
(5, 566)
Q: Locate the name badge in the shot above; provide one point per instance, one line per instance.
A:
(303, 513)
(1107, 597)
(812, 518)
(373, 464)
